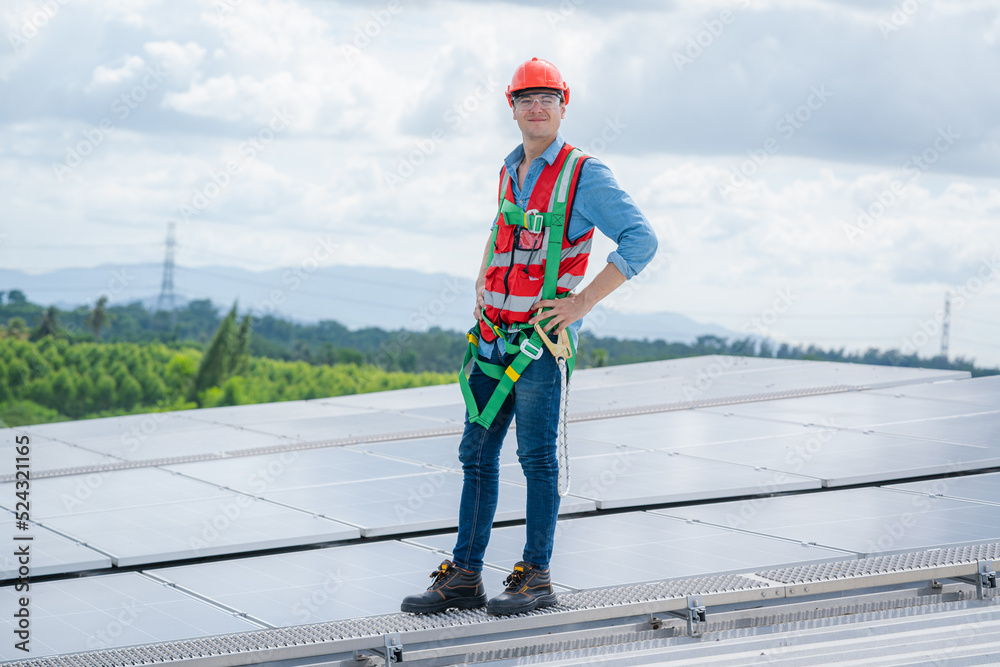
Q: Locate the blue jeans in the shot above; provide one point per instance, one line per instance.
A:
(534, 402)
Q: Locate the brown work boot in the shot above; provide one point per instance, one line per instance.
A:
(452, 587)
(527, 588)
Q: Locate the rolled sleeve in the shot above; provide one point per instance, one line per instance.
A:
(600, 202)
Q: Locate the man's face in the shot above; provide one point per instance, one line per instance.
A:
(534, 121)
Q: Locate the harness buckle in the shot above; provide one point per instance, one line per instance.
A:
(533, 220)
(531, 350)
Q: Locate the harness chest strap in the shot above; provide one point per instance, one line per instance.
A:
(529, 345)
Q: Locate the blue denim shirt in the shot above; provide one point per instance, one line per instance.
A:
(599, 202)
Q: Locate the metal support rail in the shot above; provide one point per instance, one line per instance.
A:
(456, 631)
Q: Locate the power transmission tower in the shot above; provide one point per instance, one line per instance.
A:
(166, 300)
(946, 325)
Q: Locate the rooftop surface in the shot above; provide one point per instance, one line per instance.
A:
(204, 523)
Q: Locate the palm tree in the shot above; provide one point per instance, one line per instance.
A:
(99, 318)
(49, 326)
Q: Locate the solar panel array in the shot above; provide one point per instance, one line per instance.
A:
(233, 485)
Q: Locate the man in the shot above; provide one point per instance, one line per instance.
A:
(551, 199)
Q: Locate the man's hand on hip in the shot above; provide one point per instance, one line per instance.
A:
(563, 312)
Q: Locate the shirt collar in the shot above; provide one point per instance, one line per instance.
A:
(549, 154)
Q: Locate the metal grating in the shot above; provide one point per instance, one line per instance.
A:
(883, 564)
(331, 637)
(429, 433)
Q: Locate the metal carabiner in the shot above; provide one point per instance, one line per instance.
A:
(559, 349)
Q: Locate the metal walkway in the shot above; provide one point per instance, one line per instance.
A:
(642, 619)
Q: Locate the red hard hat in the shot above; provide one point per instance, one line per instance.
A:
(537, 73)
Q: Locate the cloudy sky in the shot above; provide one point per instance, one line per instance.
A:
(818, 170)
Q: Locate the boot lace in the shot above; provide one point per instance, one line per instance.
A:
(514, 579)
(440, 573)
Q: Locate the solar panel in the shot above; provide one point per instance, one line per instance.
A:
(418, 502)
(678, 429)
(116, 610)
(116, 427)
(199, 438)
(197, 528)
(400, 399)
(297, 469)
(978, 488)
(982, 428)
(48, 454)
(355, 425)
(120, 489)
(591, 552)
(50, 553)
(246, 415)
(852, 409)
(979, 391)
(312, 586)
(867, 521)
(843, 457)
(633, 478)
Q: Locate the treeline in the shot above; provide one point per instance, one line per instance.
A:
(53, 379)
(193, 325)
(103, 361)
(331, 343)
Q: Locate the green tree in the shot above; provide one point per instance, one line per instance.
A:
(17, 375)
(99, 318)
(16, 297)
(104, 393)
(129, 393)
(216, 362)
(64, 391)
(240, 355)
(17, 328)
(49, 325)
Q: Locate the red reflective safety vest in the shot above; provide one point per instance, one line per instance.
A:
(516, 270)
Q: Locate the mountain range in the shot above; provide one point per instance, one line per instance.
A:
(357, 297)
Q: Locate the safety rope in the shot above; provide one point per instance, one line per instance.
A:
(563, 437)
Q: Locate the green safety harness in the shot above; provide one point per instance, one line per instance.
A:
(530, 341)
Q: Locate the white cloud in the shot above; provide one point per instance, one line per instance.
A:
(112, 75)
